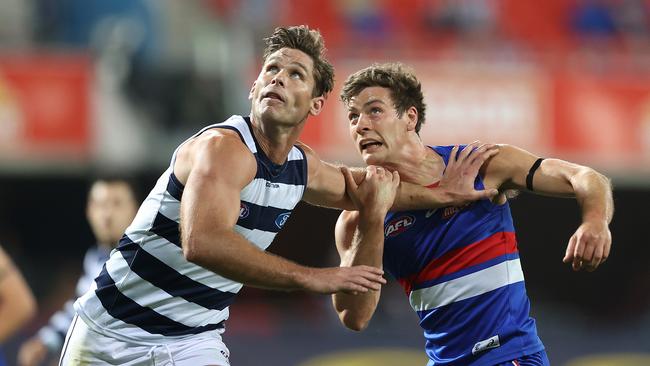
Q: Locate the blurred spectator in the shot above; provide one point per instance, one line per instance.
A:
(593, 18)
(464, 17)
(110, 209)
(367, 21)
(17, 304)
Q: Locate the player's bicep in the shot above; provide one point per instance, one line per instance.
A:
(553, 177)
(515, 168)
(220, 169)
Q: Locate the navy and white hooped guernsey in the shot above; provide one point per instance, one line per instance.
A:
(147, 290)
(460, 268)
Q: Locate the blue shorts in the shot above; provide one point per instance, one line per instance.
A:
(535, 359)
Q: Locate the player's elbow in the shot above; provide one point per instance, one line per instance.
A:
(354, 321)
(587, 174)
(191, 249)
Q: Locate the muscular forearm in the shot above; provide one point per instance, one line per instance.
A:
(355, 311)
(233, 257)
(593, 192)
(410, 196)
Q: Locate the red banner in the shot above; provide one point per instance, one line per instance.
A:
(44, 106)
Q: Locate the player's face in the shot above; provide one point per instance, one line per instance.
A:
(111, 208)
(283, 90)
(377, 130)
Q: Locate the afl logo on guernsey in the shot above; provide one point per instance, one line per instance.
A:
(243, 210)
(398, 225)
(282, 219)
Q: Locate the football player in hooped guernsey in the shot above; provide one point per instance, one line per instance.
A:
(459, 266)
(164, 294)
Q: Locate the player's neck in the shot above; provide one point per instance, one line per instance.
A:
(417, 163)
(275, 140)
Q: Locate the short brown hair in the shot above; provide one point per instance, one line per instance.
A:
(405, 89)
(310, 42)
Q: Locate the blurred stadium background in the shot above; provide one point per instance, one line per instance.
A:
(91, 86)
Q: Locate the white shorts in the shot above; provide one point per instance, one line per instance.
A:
(84, 346)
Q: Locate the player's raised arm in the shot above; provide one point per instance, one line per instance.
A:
(216, 166)
(515, 168)
(326, 185)
(360, 240)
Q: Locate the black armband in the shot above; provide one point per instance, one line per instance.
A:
(531, 173)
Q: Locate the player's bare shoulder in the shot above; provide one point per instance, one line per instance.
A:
(310, 154)
(217, 149)
(313, 161)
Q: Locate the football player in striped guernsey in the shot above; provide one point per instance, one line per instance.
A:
(459, 266)
(111, 206)
(200, 235)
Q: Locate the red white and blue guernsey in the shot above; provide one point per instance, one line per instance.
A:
(460, 268)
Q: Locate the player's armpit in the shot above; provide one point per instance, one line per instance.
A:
(344, 230)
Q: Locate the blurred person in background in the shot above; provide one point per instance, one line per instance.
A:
(164, 294)
(17, 304)
(459, 265)
(110, 208)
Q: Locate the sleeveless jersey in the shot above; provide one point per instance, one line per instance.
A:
(148, 292)
(460, 268)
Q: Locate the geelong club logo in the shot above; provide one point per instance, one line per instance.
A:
(398, 225)
(282, 219)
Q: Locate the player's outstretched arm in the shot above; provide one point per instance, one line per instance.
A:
(215, 168)
(326, 185)
(360, 240)
(590, 245)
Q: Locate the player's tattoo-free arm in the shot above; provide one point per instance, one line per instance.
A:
(360, 239)
(219, 167)
(358, 245)
(326, 186)
(17, 304)
(590, 244)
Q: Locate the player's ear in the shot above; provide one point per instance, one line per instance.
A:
(250, 93)
(316, 105)
(412, 116)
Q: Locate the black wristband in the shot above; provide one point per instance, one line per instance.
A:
(531, 173)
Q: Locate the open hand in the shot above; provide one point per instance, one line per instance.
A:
(461, 171)
(351, 280)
